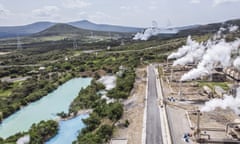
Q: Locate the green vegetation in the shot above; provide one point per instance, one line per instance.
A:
(50, 52)
(124, 85)
(115, 111)
(14, 71)
(39, 133)
(97, 131)
(14, 138)
(5, 89)
(87, 97)
(43, 131)
(211, 85)
(28, 91)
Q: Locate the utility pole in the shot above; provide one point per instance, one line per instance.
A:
(19, 44)
(180, 90)
(92, 35)
(75, 46)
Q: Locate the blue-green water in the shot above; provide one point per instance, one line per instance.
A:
(45, 108)
(68, 131)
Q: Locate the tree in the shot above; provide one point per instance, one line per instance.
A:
(115, 111)
(105, 132)
(92, 122)
(89, 138)
(43, 131)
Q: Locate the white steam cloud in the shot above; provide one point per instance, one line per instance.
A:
(153, 31)
(149, 32)
(217, 55)
(194, 55)
(182, 51)
(23, 140)
(236, 63)
(233, 28)
(108, 81)
(216, 52)
(217, 36)
(226, 102)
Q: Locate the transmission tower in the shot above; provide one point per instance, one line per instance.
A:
(75, 46)
(19, 44)
(92, 35)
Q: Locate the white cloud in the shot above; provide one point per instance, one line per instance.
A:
(83, 13)
(101, 17)
(3, 11)
(195, 1)
(217, 2)
(152, 7)
(132, 9)
(125, 7)
(72, 4)
(46, 11)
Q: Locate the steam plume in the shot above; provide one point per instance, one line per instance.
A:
(153, 31)
(184, 49)
(233, 28)
(236, 63)
(217, 55)
(193, 56)
(23, 140)
(226, 102)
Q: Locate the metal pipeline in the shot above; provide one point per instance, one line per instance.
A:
(231, 124)
(208, 135)
(213, 129)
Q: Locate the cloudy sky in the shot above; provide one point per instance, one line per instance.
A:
(139, 13)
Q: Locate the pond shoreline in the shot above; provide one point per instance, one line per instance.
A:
(80, 112)
(45, 108)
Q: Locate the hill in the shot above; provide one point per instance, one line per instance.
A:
(67, 30)
(85, 24)
(60, 29)
(13, 31)
(208, 28)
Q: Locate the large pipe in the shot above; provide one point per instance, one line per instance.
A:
(167, 63)
(198, 124)
(213, 129)
(222, 141)
(180, 90)
(208, 135)
(231, 124)
(189, 121)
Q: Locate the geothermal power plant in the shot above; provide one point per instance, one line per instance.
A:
(202, 78)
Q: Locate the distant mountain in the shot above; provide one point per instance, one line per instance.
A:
(13, 31)
(85, 24)
(208, 28)
(60, 29)
(63, 29)
(186, 27)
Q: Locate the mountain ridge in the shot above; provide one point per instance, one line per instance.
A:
(85, 24)
(25, 30)
(30, 29)
(67, 29)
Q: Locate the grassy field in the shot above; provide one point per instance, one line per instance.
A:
(5, 93)
(211, 85)
(8, 92)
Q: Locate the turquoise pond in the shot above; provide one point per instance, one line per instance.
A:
(44, 109)
(68, 131)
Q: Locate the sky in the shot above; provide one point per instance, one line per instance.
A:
(137, 13)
